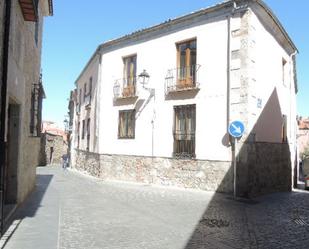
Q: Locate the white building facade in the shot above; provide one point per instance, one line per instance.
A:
(161, 100)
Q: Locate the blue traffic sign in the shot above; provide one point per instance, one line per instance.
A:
(236, 128)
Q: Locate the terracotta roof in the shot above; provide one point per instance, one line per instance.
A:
(52, 128)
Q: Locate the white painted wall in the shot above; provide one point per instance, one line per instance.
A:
(268, 57)
(157, 56)
(91, 71)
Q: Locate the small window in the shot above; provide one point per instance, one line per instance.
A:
(36, 31)
(88, 133)
(184, 131)
(186, 62)
(85, 91)
(80, 96)
(83, 130)
(284, 129)
(129, 75)
(78, 136)
(126, 125)
(37, 95)
(129, 69)
(284, 72)
(90, 88)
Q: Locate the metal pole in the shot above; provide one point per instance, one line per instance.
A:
(234, 164)
(6, 35)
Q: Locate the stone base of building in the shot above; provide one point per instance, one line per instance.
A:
(205, 175)
(261, 168)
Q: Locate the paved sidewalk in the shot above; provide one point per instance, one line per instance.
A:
(72, 211)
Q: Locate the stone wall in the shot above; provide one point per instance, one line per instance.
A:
(263, 168)
(24, 70)
(24, 65)
(56, 144)
(88, 162)
(27, 170)
(206, 175)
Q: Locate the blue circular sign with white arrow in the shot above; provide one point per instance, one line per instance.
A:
(236, 128)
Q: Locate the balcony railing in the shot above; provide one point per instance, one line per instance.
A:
(87, 101)
(182, 79)
(125, 88)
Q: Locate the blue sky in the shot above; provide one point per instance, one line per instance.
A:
(78, 27)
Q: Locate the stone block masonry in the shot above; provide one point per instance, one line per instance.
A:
(261, 168)
(52, 149)
(202, 174)
(264, 168)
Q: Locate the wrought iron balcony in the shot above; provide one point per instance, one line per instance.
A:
(182, 79)
(125, 88)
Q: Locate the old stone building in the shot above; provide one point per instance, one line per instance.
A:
(54, 144)
(155, 106)
(303, 149)
(21, 26)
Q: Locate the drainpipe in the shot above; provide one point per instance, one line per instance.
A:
(6, 36)
(98, 104)
(153, 93)
(228, 70)
(293, 143)
(291, 93)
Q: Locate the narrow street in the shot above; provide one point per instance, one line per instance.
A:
(71, 211)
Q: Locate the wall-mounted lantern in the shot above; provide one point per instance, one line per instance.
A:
(143, 78)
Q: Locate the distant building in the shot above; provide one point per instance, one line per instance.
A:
(155, 106)
(21, 26)
(303, 134)
(69, 124)
(54, 144)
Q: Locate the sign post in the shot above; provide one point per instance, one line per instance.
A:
(236, 130)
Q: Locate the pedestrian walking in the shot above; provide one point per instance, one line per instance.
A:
(64, 161)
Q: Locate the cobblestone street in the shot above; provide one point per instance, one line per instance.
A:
(72, 211)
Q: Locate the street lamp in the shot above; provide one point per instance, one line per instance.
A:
(144, 78)
(66, 124)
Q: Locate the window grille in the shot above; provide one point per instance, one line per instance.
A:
(184, 131)
(37, 95)
(126, 125)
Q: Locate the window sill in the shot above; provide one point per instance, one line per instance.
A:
(121, 138)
